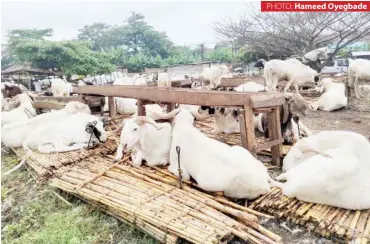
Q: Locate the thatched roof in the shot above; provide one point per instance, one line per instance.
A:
(14, 69)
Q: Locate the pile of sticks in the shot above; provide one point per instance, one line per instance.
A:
(154, 203)
(43, 166)
(331, 222)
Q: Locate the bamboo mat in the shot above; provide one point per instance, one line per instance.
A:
(150, 196)
(330, 222)
(44, 165)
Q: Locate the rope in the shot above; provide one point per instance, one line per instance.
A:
(179, 169)
(91, 132)
(28, 113)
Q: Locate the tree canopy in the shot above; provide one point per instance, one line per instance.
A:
(69, 57)
(285, 34)
(136, 45)
(134, 36)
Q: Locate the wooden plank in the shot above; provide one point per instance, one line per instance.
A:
(112, 107)
(58, 99)
(304, 85)
(186, 96)
(273, 124)
(268, 101)
(233, 82)
(268, 145)
(90, 100)
(47, 105)
(249, 128)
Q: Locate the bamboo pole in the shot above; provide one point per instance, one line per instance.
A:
(179, 199)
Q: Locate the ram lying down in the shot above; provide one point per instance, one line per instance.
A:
(331, 167)
(71, 133)
(214, 165)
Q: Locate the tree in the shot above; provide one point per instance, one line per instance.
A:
(223, 55)
(14, 37)
(285, 34)
(96, 34)
(33, 34)
(135, 36)
(70, 57)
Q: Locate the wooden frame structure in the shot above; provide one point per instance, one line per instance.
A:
(250, 103)
(49, 102)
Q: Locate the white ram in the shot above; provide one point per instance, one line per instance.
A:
(13, 135)
(339, 178)
(164, 80)
(334, 96)
(149, 139)
(22, 113)
(358, 70)
(68, 134)
(61, 88)
(215, 165)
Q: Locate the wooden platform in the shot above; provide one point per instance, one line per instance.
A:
(249, 102)
(331, 222)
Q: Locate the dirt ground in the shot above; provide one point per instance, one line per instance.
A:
(355, 117)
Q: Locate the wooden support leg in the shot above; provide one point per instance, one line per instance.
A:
(140, 108)
(243, 131)
(248, 127)
(170, 107)
(273, 123)
(348, 91)
(112, 107)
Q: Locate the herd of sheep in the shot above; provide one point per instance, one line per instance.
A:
(330, 167)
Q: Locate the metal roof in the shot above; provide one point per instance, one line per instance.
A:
(360, 53)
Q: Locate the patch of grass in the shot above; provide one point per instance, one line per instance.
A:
(33, 214)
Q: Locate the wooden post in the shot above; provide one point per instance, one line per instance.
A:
(273, 123)
(249, 128)
(243, 132)
(170, 107)
(112, 107)
(140, 108)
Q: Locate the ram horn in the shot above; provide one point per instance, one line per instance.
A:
(143, 119)
(168, 115)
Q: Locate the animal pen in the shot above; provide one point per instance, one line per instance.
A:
(149, 197)
(249, 103)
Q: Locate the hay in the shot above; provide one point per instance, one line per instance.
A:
(330, 222)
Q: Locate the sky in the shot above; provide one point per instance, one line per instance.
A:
(186, 23)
